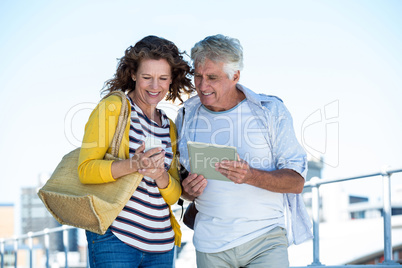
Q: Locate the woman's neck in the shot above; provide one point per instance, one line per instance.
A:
(149, 111)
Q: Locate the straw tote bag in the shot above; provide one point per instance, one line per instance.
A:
(93, 207)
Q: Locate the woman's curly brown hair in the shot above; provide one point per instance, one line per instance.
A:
(152, 47)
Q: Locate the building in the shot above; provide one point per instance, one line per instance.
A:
(315, 167)
(7, 230)
(35, 217)
(7, 213)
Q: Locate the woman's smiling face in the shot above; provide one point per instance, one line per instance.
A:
(153, 79)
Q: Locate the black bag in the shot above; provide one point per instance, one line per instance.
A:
(189, 215)
(191, 210)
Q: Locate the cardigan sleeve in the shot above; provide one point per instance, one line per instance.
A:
(99, 131)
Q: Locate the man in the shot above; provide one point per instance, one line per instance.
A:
(248, 220)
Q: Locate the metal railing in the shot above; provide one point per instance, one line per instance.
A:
(314, 183)
(30, 236)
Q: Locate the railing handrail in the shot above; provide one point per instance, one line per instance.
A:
(38, 233)
(328, 181)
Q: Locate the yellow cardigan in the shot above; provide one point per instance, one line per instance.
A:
(99, 131)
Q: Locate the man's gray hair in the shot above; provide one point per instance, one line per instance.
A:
(219, 48)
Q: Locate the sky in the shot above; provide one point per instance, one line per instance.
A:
(337, 65)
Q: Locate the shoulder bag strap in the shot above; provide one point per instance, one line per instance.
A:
(121, 123)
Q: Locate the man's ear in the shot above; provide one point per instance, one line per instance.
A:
(236, 76)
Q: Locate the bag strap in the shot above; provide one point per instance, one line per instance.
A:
(173, 137)
(183, 173)
(121, 123)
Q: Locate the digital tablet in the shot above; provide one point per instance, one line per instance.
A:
(203, 157)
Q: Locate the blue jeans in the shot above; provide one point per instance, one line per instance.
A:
(108, 251)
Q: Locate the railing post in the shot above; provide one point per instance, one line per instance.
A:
(316, 221)
(15, 252)
(30, 245)
(387, 217)
(47, 245)
(2, 249)
(65, 243)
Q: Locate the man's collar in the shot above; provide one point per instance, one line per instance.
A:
(254, 97)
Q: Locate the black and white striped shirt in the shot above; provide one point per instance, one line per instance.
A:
(144, 223)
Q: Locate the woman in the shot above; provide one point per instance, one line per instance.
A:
(145, 231)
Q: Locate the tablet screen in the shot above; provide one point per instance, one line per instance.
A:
(203, 157)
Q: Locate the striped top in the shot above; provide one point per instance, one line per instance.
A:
(144, 223)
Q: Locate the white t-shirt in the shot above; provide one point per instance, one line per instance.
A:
(232, 214)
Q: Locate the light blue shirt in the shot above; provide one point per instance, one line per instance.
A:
(239, 212)
(283, 149)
